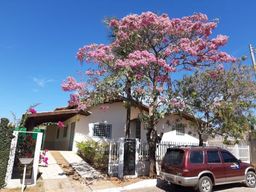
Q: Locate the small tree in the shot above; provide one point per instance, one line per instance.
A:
(219, 100)
(152, 48)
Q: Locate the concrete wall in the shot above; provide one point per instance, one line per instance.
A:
(166, 125)
(114, 115)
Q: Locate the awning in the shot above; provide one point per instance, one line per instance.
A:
(36, 119)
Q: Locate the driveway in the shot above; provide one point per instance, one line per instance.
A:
(164, 187)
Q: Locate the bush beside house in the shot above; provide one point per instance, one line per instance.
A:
(5, 142)
(95, 153)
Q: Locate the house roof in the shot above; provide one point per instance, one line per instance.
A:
(64, 113)
(36, 119)
(186, 116)
(133, 102)
(115, 100)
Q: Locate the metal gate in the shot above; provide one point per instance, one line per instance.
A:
(129, 156)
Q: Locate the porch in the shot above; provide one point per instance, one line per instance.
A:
(55, 138)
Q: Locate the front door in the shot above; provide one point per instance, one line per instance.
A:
(233, 170)
(71, 136)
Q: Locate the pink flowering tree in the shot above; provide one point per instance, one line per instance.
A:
(30, 110)
(146, 51)
(219, 101)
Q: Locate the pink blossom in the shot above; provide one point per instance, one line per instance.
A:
(32, 111)
(45, 160)
(95, 53)
(74, 100)
(159, 89)
(70, 84)
(60, 124)
(213, 74)
(162, 78)
(140, 91)
(113, 23)
(139, 76)
(82, 106)
(178, 103)
(220, 67)
(89, 72)
(104, 107)
(220, 40)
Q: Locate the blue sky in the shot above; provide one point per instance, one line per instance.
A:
(39, 40)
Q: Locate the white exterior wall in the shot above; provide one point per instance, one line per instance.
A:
(115, 115)
(171, 136)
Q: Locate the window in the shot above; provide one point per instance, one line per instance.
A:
(174, 157)
(213, 157)
(58, 133)
(196, 157)
(65, 132)
(102, 130)
(228, 157)
(137, 134)
(180, 129)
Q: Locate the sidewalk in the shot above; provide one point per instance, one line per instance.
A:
(53, 170)
(139, 185)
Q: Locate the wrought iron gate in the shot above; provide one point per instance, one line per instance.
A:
(129, 156)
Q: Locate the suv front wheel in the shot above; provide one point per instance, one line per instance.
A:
(205, 184)
(250, 179)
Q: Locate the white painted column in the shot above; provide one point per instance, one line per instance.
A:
(137, 157)
(36, 157)
(121, 158)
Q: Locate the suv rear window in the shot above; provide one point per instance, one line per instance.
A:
(174, 157)
(196, 157)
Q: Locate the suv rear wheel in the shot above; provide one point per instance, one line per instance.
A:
(250, 179)
(205, 184)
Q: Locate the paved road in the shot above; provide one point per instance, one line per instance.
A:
(163, 187)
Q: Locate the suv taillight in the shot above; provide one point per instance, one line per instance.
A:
(185, 172)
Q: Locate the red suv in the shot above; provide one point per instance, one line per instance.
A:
(204, 167)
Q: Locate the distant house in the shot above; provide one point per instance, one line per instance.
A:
(107, 121)
(178, 128)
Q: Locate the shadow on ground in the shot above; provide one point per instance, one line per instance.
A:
(175, 188)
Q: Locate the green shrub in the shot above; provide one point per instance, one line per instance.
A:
(94, 153)
(5, 142)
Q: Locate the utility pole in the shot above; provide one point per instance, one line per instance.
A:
(252, 56)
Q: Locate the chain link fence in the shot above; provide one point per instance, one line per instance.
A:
(5, 142)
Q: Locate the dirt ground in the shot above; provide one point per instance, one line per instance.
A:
(38, 188)
(93, 185)
(76, 181)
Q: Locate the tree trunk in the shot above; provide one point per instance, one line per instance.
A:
(128, 121)
(201, 141)
(152, 141)
(128, 109)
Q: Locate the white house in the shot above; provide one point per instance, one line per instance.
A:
(178, 128)
(107, 121)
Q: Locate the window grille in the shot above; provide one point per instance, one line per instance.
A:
(102, 130)
(180, 129)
